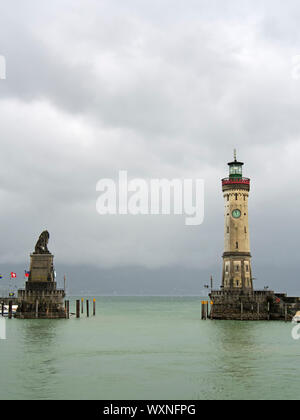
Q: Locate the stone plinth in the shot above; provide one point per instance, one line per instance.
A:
(41, 298)
(41, 268)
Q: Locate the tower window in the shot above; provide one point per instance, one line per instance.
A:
(235, 169)
(247, 267)
(227, 197)
(226, 269)
(227, 229)
(245, 229)
(237, 268)
(236, 196)
(236, 245)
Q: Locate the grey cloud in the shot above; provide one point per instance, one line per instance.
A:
(159, 89)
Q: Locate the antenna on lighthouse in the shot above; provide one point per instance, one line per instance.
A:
(234, 154)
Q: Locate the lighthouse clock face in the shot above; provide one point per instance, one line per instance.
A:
(236, 213)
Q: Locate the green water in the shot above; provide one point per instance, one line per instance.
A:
(148, 348)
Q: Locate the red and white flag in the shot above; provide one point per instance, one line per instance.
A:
(13, 275)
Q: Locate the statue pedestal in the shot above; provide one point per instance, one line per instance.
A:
(41, 268)
(41, 298)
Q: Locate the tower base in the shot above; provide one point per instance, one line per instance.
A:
(256, 305)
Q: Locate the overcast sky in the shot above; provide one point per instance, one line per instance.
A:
(160, 88)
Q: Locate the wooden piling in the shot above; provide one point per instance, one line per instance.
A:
(2, 309)
(87, 308)
(204, 309)
(37, 309)
(67, 308)
(285, 312)
(242, 308)
(77, 308)
(82, 305)
(10, 309)
(258, 309)
(94, 307)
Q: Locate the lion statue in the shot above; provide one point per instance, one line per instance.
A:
(41, 245)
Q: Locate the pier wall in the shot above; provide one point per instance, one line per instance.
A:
(253, 305)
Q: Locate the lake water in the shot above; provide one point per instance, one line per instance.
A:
(148, 348)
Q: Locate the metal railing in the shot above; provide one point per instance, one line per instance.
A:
(242, 180)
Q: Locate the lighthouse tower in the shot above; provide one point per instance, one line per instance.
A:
(237, 273)
(237, 300)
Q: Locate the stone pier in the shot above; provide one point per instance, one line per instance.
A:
(256, 305)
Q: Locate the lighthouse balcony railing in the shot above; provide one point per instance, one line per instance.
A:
(241, 180)
(238, 291)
